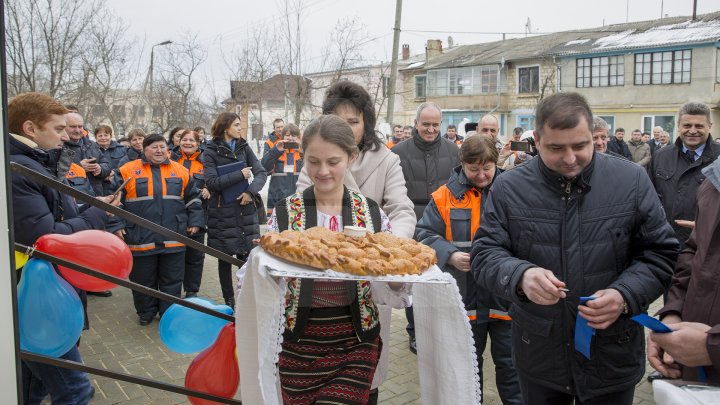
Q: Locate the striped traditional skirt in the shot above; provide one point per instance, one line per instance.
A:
(329, 364)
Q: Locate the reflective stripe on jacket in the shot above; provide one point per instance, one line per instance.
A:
(162, 194)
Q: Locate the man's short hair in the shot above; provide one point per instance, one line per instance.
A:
(427, 104)
(646, 133)
(397, 126)
(694, 108)
(518, 130)
(620, 130)
(35, 107)
(451, 126)
(276, 120)
(562, 111)
(152, 138)
(410, 127)
(636, 130)
(599, 124)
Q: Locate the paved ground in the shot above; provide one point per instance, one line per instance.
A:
(116, 342)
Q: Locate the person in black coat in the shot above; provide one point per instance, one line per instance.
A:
(617, 145)
(232, 226)
(37, 126)
(564, 226)
(87, 153)
(135, 138)
(113, 152)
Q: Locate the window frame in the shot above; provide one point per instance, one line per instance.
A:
(517, 79)
(463, 81)
(424, 85)
(661, 67)
(592, 71)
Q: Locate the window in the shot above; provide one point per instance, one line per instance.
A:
(610, 119)
(666, 122)
(118, 111)
(99, 110)
(601, 71)
(463, 81)
(527, 122)
(669, 67)
(385, 85)
(139, 111)
(420, 86)
(529, 79)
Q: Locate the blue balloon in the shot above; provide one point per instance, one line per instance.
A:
(185, 330)
(50, 313)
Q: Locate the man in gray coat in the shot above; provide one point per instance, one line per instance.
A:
(427, 160)
(573, 250)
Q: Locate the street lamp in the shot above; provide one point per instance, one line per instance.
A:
(152, 61)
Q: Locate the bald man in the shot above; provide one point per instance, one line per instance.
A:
(490, 126)
(86, 152)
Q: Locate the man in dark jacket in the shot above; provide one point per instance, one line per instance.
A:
(37, 126)
(557, 229)
(427, 160)
(690, 308)
(676, 172)
(617, 144)
(87, 153)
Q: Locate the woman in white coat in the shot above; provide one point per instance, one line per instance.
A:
(376, 173)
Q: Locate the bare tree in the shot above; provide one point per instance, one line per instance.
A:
(107, 69)
(289, 51)
(175, 89)
(343, 50)
(44, 41)
(251, 64)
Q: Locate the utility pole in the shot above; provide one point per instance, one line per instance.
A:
(393, 64)
(694, 10)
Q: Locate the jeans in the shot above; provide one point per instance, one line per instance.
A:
(506, 378)
(65, 386)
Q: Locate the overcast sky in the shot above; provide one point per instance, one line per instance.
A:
(221, 23)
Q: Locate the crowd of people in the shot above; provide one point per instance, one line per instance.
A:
(565, 227)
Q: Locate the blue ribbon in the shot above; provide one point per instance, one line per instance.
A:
(583, 332)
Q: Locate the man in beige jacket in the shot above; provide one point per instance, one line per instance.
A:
(639, 150)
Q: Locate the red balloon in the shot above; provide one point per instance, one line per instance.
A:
(215, 370)
(98, 250)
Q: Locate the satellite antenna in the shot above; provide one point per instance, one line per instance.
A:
(528, 27)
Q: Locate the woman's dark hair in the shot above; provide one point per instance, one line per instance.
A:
(333, 129)
(478, 149)
(198, 129)
(351, 94)
(172, 133)
(222, 122)
(152, 138)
